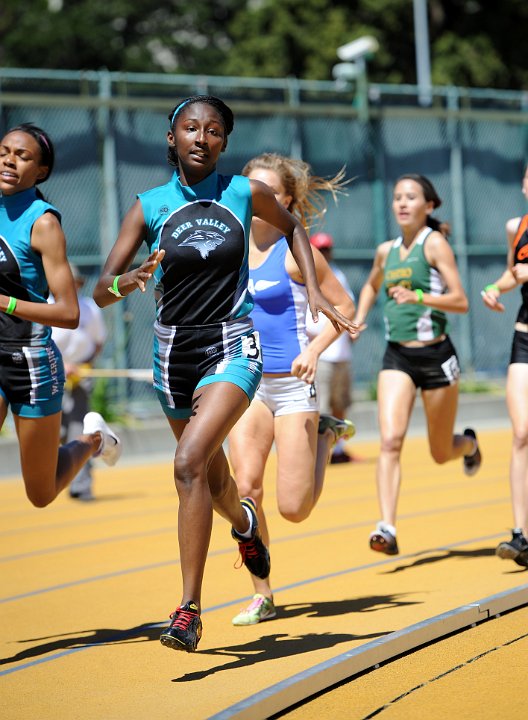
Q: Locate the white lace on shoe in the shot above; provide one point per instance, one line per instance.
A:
(111, 448)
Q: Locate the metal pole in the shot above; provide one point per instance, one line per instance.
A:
(294, 101)
(422, 50)
(362, 102)
(110, 224)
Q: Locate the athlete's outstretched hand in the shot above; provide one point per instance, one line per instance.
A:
(318, 303)
(144, 272)
(361, 327)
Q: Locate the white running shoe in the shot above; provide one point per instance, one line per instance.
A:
(111, 448)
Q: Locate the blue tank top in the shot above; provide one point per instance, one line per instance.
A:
(204, 230)
(21, 271)
(280, 311)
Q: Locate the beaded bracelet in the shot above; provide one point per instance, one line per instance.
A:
(114, 288)
(419, 296)
(11, 306)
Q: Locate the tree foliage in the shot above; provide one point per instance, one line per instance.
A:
(473, 43)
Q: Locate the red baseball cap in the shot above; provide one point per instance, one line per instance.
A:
(322, 241)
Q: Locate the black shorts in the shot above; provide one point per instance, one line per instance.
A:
(186, 358)
(519, 351)
(429, 367)
(32, 379)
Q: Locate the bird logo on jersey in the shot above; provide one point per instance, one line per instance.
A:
(205, 241)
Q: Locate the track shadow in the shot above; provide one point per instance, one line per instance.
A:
(110, 497)
(150, 631)
(514, 569)
(271, 647)
(83, 639)
(436, 556)
(355, 460)
(370, 603)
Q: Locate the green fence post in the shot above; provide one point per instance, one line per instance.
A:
(294, 101)
(465, 344)
(110, 223)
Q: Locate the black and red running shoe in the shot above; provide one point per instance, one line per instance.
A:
(254, 553)
(185, 630)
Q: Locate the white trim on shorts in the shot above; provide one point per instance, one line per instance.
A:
(287, 395)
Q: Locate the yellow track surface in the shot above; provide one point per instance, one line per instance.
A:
(86, 588)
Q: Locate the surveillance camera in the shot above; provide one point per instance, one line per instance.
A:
(358, 48)
(345, 71)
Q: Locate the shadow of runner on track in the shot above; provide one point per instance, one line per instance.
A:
(84, 639)
(369, 603)
(272, 647)
(438, 555)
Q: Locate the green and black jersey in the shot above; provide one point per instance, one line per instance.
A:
(407, 322)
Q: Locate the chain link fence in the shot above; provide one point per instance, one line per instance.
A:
(109, 132)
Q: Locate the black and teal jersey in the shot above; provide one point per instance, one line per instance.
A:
(204, 230)
(21, 270)
(407, 322)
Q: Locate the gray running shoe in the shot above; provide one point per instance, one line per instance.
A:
(473, 462)
(515, 549)
(81, 486)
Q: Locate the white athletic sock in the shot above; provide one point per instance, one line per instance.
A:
(390, 528)
(474, 449)
(249, 531)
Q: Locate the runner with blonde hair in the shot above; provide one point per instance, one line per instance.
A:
(286, 408)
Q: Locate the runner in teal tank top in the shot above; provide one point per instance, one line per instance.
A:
(421, 283)
(207, 358)
(33, 264)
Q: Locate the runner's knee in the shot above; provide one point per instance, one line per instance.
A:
(441, 455)
(39, 495)
(188, 466)
(392, 444)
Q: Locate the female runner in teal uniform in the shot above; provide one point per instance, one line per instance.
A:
(207, 362)
(32, 263)
(421, 283)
